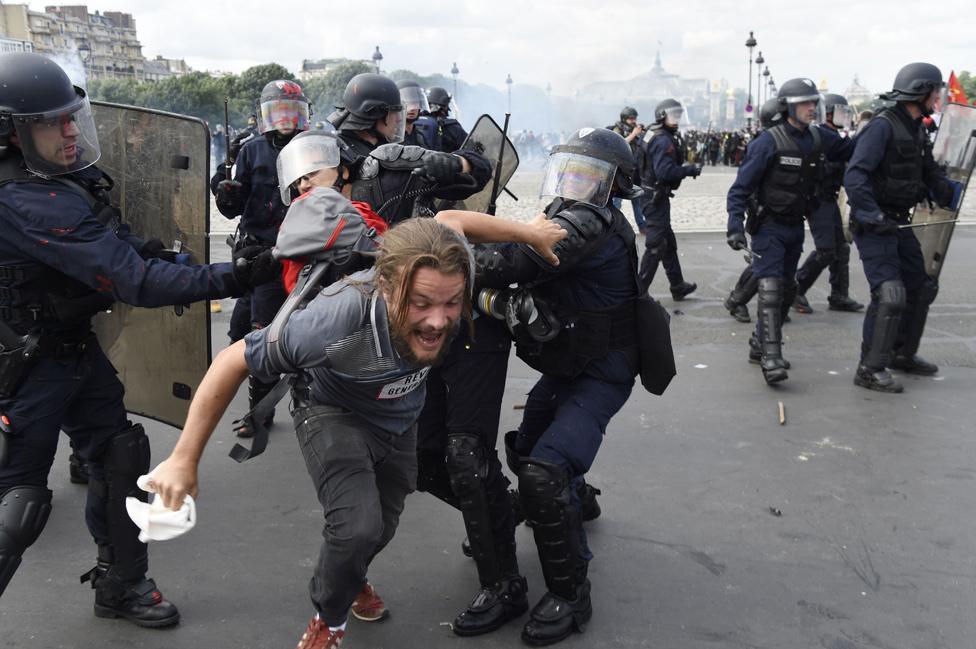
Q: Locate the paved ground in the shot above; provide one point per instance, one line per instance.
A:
(850, 527)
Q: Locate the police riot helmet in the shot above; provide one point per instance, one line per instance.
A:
(915, 82)
(838, 111)
(593, 165)
(770, 114)
(799, 91)
(307, 153)
(438, 98)
(284, 108)
(669, 113)
(49, 117)
(368, 99)
(628, 112)
(413, 99)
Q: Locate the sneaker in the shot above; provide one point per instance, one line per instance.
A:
(318, 635)
(368, 605)
(801, 304)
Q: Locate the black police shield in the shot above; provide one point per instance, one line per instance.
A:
(955, 151)
(487, 138)
(159, 162)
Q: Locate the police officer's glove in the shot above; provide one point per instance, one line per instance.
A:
(692, 170)
(255, 265)
(736, 240)
(154, 249)
(227, 192)
(442, 167)
(883, 227)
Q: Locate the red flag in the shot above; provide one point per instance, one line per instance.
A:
(956, 94)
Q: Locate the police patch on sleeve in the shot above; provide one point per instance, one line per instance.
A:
(403, 386)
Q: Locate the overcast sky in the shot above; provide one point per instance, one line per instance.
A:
(570, 42)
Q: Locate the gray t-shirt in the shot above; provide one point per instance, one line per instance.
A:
(342, 340)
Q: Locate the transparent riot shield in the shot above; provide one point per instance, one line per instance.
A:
(159, 162)
(955, 151)
(488, 139)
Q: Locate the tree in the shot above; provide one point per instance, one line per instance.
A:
(325, 92)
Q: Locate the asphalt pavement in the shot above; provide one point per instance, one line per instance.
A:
(849, 526)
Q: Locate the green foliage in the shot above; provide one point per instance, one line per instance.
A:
(325, 92)
(197, 94)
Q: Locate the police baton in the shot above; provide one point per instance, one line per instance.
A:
(923, 225)
(754, 254)
(498, 168)
(227, 163)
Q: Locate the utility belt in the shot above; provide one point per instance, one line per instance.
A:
(54, 308)
(659, 192)
(19, 354)
(585, 336)
(755, 219)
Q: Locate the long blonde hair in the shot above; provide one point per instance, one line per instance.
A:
(421, 243)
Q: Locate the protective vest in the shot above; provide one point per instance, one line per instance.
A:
(33, 294)
(386, 181)
(586, 335)
(789, 187)
(679, 154)
(897, 181)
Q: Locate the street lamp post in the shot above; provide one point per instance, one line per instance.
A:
(750, 43)
(84, 53)
(759, 62)
(454, 73)
(508, 82)
(377, 57)
(766, 75)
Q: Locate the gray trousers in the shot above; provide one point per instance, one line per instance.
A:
(362, 475)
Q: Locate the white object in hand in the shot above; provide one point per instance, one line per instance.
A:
(155, 521)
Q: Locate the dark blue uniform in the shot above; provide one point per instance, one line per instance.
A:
(901, 291)
(637, 146)
(259, 205)
(58, 266)
(662, 170)
(588, 373)
(450, 135)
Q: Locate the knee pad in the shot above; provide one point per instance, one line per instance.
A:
(128, 454)
(892, 295)
(927, 292)
(23, 514)
(467, 463)
(771, 291)
(544, 490)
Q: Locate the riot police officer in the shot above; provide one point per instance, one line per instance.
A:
(747, 285)
(253, 195)
(398, 181)
(588, 363)
(628, 127)
(414, 103)
(783, 165)
(662, 168)
(64, 256)
(832, 250)
(450, 135)
(892, 169)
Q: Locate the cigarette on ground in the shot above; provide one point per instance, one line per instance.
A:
(782, 414)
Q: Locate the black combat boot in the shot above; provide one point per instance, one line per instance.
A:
(840, 281)
(137, 600)
(905, 356)
(737, 310)
(589, 507)
(682, 290)
(914, 364)
(883, 319)
(755, 352)
(843, 303)
(801, 304)
(493, 606)
(771, 329)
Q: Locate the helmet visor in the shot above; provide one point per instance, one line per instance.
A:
(806, 109)
(393, 126)
(414, 102)
(673, 116)
(304, 155)
(283, 115)
(842, 117)
(59, 142)
(579, 178)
